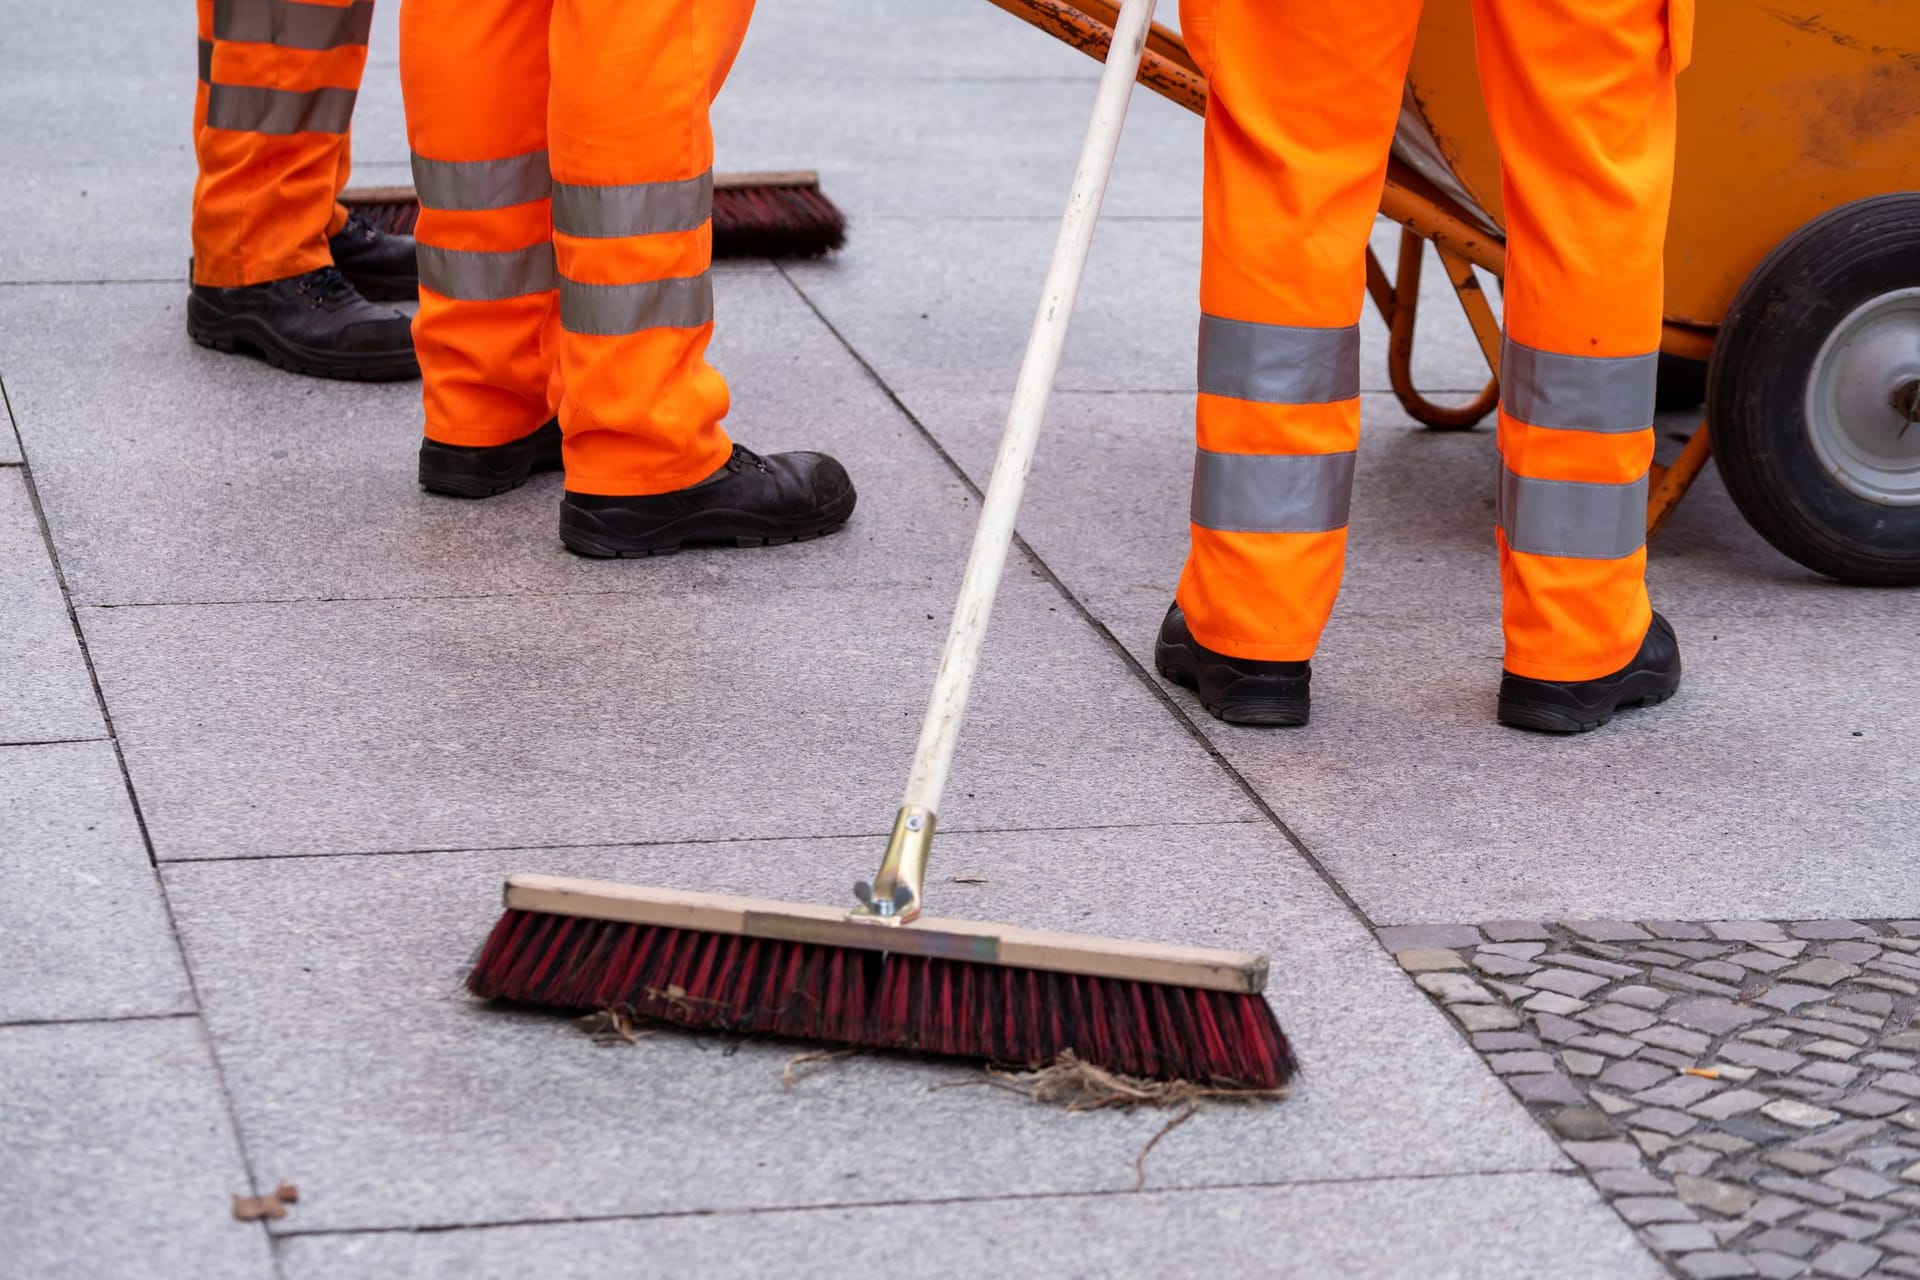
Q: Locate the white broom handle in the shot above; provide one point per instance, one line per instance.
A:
(941, 732)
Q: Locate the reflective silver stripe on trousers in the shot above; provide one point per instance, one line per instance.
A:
(1271, 493)
(1568, 518)
(642, 209)
(605, 310)
(468, 275)
(278, 111)
(1277, 363)
(1578, 393)
(289, 24)
(206, 59)
(464, 186)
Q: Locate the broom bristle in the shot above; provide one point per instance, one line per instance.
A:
(877, 1000)
(748, 222)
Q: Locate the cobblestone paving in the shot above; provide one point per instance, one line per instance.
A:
(1745, 1093)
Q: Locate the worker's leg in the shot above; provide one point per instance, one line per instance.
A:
(1581, 95)
(633, 197)
(474, 76)
(1303, 101)
(277, 85)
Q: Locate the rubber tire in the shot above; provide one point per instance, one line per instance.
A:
(1682, 384)
(1757, 390)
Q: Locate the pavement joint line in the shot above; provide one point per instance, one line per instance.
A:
(139, 817)
(53, 742)
(833, 1206)
(1100, 628)
(11, 1024)
(689, 842)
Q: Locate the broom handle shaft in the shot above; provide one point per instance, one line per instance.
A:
(941, 731)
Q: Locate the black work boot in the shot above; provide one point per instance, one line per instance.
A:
(315, 324)
(482, 470)
(381, 265)
(1237, 690)
(1575, 706)
(750, 501)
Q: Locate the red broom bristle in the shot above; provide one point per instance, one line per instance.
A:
(868, 999)
(748, 222)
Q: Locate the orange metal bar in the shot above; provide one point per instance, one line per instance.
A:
(1670, 484)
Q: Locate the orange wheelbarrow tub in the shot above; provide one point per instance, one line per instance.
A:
(1793, 256)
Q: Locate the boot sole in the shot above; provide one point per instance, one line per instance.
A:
(708, 529)
(1281, 712)
(1642, 689)
(451, 474)
(243, 335)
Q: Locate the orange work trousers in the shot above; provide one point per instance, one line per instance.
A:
(564, 160)
(277, 83)
(1304, 99)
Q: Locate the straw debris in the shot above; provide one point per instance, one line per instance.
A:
(611, 1027)
(1075, 1085)
(792, 1075)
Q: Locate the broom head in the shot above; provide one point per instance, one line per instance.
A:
(755, 215)
(959, 988)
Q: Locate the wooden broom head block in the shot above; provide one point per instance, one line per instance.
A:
(784, 179)
(969, 940)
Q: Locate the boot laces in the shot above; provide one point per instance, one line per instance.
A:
(743, 457)
(326, 287)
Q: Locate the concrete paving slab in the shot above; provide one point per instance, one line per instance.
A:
(995, 148)
(947, 304)
(176, 474)
(1508, 1225)
(82, 925)
(356, 726)
(333, 987)
(1747, 796)
(46, 694)
(803, 42)
(100, 183)
(9, 444)
(121, 1160)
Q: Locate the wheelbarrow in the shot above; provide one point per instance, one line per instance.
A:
(1792, 264)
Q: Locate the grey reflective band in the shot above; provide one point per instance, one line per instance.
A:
(643, 209)
(1271, 493)
(288, 24)
(468, 275)
(464, 186)
(1578, 393)
(278, 111)
(1567, 518)
(1277, 363)
(206, 59)
(606, 310)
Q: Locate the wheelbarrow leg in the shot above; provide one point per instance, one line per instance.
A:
(1399, 303)
(1670, 483)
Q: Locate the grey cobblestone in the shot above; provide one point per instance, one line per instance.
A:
(1745, 1093)
(1715, 1266)
(1410, 937)
(1515, 931)
(1847, 1261)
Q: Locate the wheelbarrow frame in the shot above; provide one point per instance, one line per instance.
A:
(1425, 214)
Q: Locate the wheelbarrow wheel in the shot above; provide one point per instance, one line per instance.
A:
(1814, 394)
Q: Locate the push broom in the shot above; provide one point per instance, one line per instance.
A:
(883, 975)
(755, 215)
